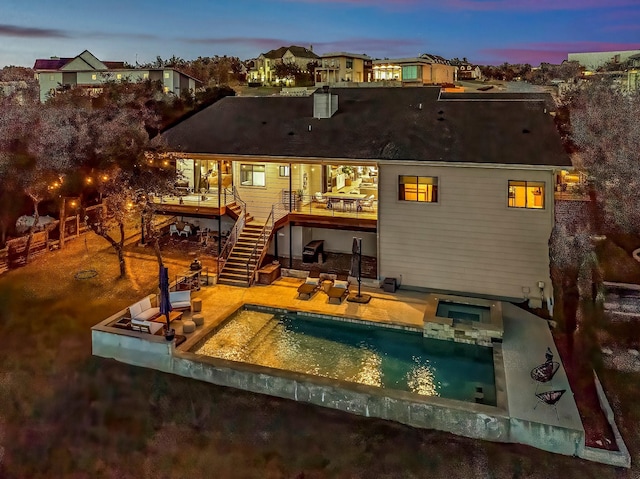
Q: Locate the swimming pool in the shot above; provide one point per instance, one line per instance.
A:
(353, 352)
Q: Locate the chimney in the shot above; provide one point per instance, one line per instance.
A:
(311, 47)
(325, 104)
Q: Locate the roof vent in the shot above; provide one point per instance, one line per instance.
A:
(524, 130)
(309, 127)
(291, 133)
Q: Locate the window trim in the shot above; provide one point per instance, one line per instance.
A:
(284, 171)
(435, 182)
(252, 166)
(538, 184)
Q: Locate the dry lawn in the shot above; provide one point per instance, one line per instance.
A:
(65, 413)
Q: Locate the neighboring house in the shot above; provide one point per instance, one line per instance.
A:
(264, 68)
(342, 67)
(466, 71)
(463, 184)
(426, 69)
(86, 71)
(594, 60)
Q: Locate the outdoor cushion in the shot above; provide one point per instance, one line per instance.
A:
(313, 281)
(340, 284)
(152, 326)
(180, 299)
(142, 310)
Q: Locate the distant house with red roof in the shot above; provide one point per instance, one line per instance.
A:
(85, 70)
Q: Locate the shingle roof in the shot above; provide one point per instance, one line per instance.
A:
(376, 123)
(295, 50)
(51, 64)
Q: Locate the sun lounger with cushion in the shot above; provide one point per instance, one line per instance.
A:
(339, 290)
(310, 285)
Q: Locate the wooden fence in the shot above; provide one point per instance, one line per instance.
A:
(14, 254)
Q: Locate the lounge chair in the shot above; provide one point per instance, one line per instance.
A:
(339, 290)
(311, 285)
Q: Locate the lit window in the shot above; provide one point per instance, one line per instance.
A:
(167, 74)
(283, 171)
(418, 188)
(526, 194)
(411, 72)
(94, 76)
(252, 175)
(119, 76)
(145, 75)
(166, 89)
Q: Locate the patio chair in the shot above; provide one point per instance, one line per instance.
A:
(311, 285)
(550, 398)
(544, 372)
(339, 290)
(173, 229)
(185, 231)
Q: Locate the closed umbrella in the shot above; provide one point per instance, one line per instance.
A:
(165, 302)
(356, 271)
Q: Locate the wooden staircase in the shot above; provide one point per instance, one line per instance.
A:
(234, 272)
(234, 211)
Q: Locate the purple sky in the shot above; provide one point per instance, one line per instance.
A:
(484, 31)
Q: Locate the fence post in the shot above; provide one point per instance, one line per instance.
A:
(77, 225)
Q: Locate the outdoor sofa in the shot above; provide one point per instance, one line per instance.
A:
(180, 300)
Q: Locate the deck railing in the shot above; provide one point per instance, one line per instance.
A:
(259, 249)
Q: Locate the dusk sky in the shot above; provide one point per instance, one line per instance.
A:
(484, 31)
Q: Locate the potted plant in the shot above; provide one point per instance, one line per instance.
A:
(299, 196)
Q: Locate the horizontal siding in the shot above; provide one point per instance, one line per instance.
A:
(260, 199)
(470, 240)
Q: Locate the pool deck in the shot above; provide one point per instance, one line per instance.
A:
(526, 338)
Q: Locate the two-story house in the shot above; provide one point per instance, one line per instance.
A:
(426, 69)
(343, 67)
(466, 71)
(86, 71)
(464, 184)
(264, 68)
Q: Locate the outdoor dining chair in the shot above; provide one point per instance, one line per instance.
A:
(186, 231)
(173, 229)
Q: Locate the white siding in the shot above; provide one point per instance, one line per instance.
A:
(470, 241)
(260, 199)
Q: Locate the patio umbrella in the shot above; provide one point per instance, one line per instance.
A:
(165, 303)
(356, 271)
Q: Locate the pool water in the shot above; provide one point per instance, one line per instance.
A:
(464, 312)
(358, 353)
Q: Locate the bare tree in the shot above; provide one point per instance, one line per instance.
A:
(606, 133)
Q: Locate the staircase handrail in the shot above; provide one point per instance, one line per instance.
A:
(263, 238)
(235, 231)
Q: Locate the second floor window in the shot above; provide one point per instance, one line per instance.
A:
(526, 194)
(283, 170)
(253, 175)
(349, 63)
(418, 188)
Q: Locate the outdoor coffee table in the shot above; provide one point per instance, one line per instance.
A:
(173, 316)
